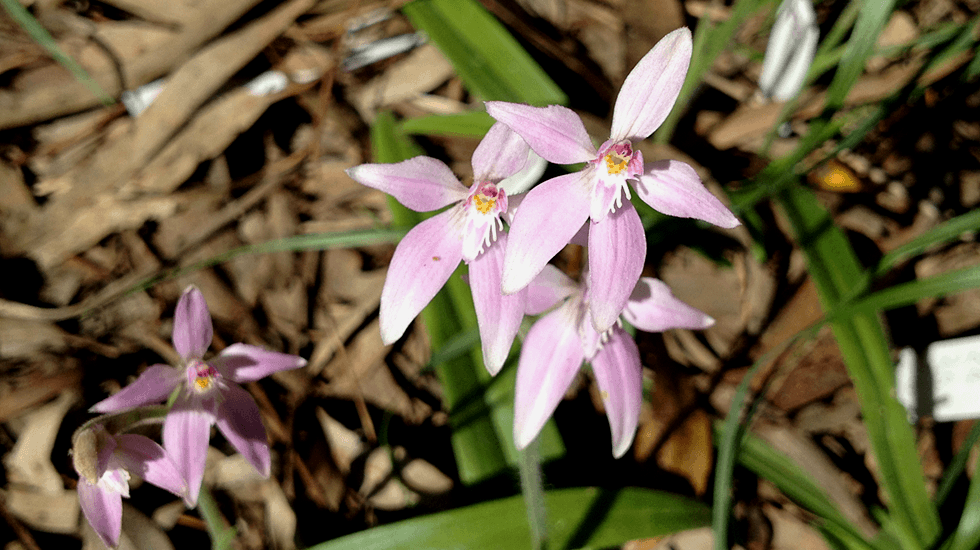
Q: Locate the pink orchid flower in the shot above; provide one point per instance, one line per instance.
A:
(208, 394)
(554, 211)
(427, 256)
(560, 342)
(104, 462)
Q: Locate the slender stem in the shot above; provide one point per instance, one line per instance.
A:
(532, 488)
(221, 534)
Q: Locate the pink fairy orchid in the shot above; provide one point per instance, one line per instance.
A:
(560, 342)
(208, 394)
(104, 463)
(554, 211)
(427, 256)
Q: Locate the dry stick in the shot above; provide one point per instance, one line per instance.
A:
(187, 89)
(61, 96)
(119, 287)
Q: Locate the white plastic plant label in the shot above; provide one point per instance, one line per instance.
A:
(945, 383)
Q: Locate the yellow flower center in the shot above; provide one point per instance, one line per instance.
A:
(483, 205)
(204, 377)
(616, 162)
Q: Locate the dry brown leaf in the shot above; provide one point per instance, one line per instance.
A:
(29, 462)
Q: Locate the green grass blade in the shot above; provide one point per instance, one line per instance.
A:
(756, 455)
(967, 535)
(861, 339)
(952, 474)
(40, 35)
(911, 292)
(585, 517)
(871, 20)
(468, 124)
(491, 63)
(944, 232)
(481, 407)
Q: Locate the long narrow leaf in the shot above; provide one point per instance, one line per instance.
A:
(756, 455)
(861, 339)
(486, 57)
(870, 21)
(470, 124)
(967, 535)
(45, 40)
(587, 517)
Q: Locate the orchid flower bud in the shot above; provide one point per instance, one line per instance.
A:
(792, 45)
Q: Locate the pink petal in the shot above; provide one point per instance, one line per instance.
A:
(674, 188)
(420, 183)
(192, 325)
(550, 287)
(186, 432)
(143, 456)
(500, 154)
(153, 386)
(241, 424)
(103, 510)
(650, 90)
(617, 252)
(652, 307)
(244, 363)
(498, 315)
(554, 132)
(617, 371)
(523, 180)
(549, 216)
(421, 265)
(550, 358)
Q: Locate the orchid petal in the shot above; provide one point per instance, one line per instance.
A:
(550, 215)
(550, 358)
(241, 424)
(153, 386)
(554, 132)
(650, 90)
(652, 307)
(526, 178)
(186, 432)
(192, 325)
(498, 315)
(547, 289)
(617, 252)
(501, 153)
(244, 363)
(103, 510)
(421, 183)
(674, 188)
(619, 375)
(421, 265)
(143, 456)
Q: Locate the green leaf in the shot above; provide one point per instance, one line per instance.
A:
(756, 455)
(481, 407)
(944, 232)
(863, 344)
(871, 20)
(956, 466)
(585, 517)
(491, 63)
(468, 124)
(967, 535)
